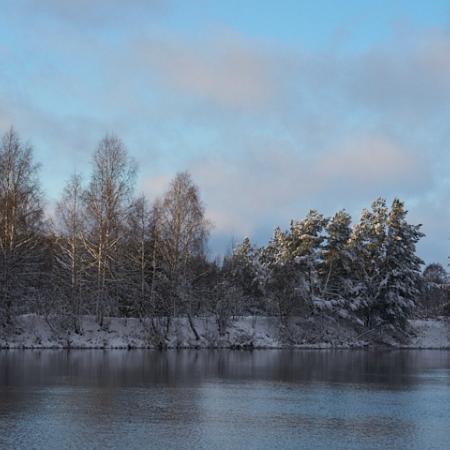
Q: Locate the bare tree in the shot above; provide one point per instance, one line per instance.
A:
(183, 231)
(137, 260)
(21, 222)
(157, 303)
(70, 253)
(106, 201)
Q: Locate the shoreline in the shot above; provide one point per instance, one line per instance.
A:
(244, 333)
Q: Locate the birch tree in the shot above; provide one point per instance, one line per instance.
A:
(21, 223)
(106, 201)
(183, 231)
(137, 260)
(70, 254)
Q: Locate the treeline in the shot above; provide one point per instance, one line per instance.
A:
(108, 253)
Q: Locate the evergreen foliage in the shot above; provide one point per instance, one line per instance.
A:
(110, 253)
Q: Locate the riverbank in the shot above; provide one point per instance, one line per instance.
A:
(36, 332)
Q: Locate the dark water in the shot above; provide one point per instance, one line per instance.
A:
(224, 399)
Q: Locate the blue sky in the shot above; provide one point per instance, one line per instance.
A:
(274, 106)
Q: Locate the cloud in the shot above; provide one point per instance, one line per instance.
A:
(225, 69)
(368, 160)
(97, 13)
(267, 129)
(431, 211)
(273, 183)
(62, 143)
(406, 79)
(154, 187)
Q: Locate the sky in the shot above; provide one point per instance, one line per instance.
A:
(275, 107)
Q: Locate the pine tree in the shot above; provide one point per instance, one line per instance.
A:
(244, 270)
(282, 279)
(401, 269)
(292, 260)
(367, 244)
(337, 258)
(385, 264)
(304, 244)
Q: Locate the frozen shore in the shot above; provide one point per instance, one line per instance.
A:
(32, 331)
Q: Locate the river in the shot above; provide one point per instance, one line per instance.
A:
(201, 399)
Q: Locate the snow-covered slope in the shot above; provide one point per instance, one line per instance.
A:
(431, 334)
(32, 331)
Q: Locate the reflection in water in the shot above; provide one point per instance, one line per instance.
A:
(224, 399)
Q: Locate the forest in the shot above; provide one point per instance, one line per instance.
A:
(108, 253)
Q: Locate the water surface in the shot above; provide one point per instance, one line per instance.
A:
(202, 399)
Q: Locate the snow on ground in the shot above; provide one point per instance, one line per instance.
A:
(32, 331)
(431, 333)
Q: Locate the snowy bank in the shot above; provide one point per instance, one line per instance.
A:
(32, 331)
(432, 334)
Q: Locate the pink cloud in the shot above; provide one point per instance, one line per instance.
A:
(225, 69)
(277, 183)
(372, 159)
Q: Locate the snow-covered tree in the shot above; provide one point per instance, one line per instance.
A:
(291, 261)
(367, 244)
(111, 254)
(402, 267)
(434, 289)
(243, 270)
(304, 244)
(281, 278)
(337, 258)
(385, 263)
